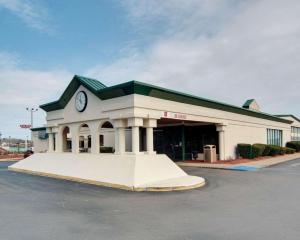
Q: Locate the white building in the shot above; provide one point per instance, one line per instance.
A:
(177, 124)
(139, 119)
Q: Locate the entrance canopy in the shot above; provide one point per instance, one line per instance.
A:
(184, 140)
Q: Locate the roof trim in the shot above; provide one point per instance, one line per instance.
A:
(136, 87)
(38, 129)
(288, 115)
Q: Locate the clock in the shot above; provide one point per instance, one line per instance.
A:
(81, 101)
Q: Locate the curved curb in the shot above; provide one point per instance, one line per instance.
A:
(170, 189)
(110, 185)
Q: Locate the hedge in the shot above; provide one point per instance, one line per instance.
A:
(258, 149)
(267, 150)
(255, 151)
(244, 150)
(276, 150)
(294, 144)
(289, 150)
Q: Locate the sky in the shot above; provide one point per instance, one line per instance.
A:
(225, 50)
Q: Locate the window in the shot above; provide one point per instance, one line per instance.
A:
(274, 137)
(89, 141)
(101, 140)
(295, 134)
(54, 142)
(43, 135)
(81, 143)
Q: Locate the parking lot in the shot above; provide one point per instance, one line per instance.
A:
(261, 204)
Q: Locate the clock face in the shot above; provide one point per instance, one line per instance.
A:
(81, 101)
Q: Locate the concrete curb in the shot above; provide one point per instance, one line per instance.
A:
(110, 185)
(10, 159)
(248, 166)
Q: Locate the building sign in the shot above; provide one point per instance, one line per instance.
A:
(25, 126)
(174, 115)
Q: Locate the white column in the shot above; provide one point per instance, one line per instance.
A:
(117, 141)
(95, 148)
(94, 128)
(59, 141)
(221, 146)
(51, 142)
(135, 124)
(121, 140)
(150, 124)
(149, 140)
(135, 139)
(75, 138)
(222, 149)
(119, 127)
(75, 143)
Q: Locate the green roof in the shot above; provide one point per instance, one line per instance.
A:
(248, 103)
(135, 87)
(288, 115)
(91, 84)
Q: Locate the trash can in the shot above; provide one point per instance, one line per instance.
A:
(210, 153)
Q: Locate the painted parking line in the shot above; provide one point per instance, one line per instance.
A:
(243, 168)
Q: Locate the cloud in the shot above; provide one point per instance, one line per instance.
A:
(224, 50)
(21, 88)
(30, 12)
(192, 18)
(8, 60)
(25, 87)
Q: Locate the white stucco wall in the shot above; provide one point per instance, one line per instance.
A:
(39, 145)
(296, 124)
(238, 128)
(96, 109)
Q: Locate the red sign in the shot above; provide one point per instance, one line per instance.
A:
(25, 126)
(174, 115)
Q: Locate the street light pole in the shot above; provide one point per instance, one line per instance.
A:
(31, 110)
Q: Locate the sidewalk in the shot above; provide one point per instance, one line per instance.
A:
(10, 159)
(247, 166)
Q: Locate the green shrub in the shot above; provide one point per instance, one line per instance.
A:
(260, 149)
(289, 150)
(106, 150)
(282, 151)
(294, 144)
(275, 150)
(267, 150)
(255, 151)
(244, 150)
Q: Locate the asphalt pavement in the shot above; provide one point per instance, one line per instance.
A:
(262, 204)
